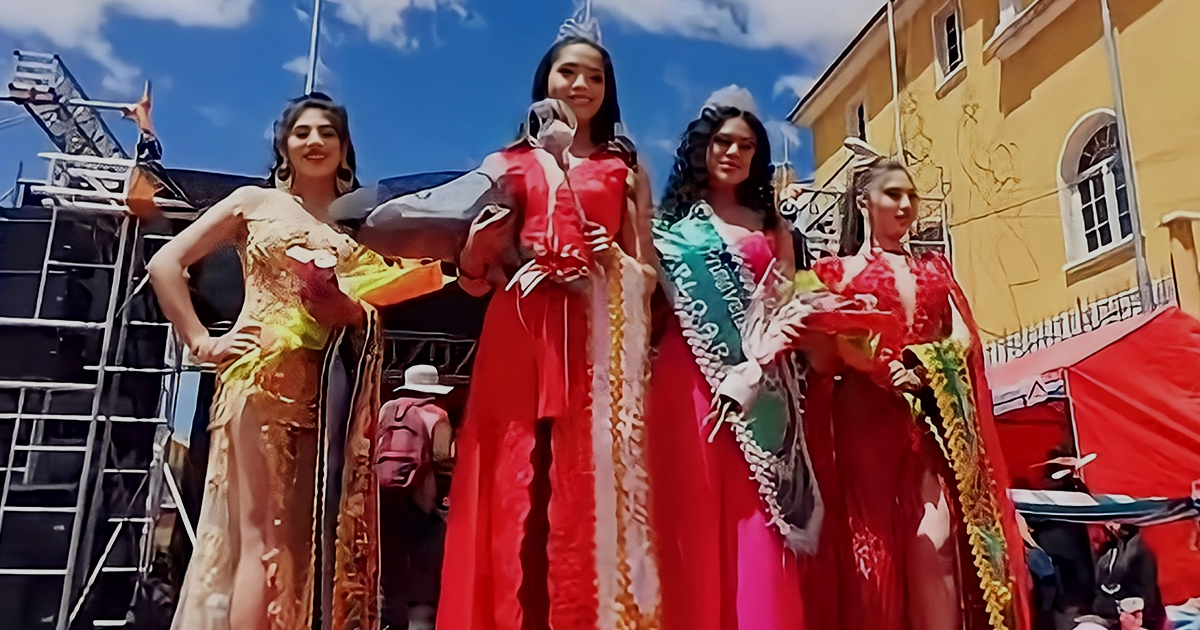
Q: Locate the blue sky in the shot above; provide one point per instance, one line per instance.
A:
(430, 84)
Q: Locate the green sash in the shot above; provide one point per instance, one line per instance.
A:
(711, 289)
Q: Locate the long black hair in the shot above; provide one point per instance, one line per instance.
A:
(854, 200)
(604, 124)
(281, 171)
(689, 176)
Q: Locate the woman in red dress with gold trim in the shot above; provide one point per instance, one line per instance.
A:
(919, 532)
(548, 522)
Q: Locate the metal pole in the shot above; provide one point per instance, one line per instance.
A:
(176, 496)
(80, 102)
(1145, 286)
(73, 102)
(111, 389)
(91, 581)
(64, 607)
(41, 294)
(311, 83)
(9, 473)
(891, 14)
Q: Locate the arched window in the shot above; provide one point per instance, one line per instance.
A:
(1096, 209)
(1103, 201)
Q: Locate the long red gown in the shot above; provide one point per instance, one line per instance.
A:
(872, 463)
(540, 376)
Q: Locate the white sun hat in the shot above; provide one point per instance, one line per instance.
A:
(423, 379)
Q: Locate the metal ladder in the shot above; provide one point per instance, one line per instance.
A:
(44, 433)
(55, 99)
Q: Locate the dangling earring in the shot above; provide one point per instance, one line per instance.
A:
(283, 177)
(345, 177)
(863, 208)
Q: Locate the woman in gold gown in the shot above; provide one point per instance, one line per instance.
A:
(288, 531)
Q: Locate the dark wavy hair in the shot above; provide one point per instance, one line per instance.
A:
(604, 124)
(853, 228)
(348, 172)
(689, 176)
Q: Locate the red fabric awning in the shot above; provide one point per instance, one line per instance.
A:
(1132, 392)
(1038, 374)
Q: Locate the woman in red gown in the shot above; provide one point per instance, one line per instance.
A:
(919, 533)
(548, 524)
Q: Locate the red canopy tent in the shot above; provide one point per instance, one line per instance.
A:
(1129, 392)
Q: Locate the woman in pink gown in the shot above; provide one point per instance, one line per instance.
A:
(921, 535)
(723, 536)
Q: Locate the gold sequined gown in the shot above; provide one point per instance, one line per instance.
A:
(289, 473)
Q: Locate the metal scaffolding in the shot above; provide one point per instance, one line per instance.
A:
(817, 213)
(84, 427)
(90, 372)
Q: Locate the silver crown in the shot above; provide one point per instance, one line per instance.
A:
(732, 96)
(583, 24)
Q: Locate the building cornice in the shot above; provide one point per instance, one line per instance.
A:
(869, 42)
(1011, 36)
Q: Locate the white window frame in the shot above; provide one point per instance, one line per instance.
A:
(941, 43)
(852, 119)
(1105, 172)
(1071, 199)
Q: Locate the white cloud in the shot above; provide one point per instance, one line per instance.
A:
(666, 145)
(217, 114)
(797, 84)
(778, 130)
(326, 81)
(78, 25)
(675, 77)
(386, 21)
(811, 27)
(299, 65)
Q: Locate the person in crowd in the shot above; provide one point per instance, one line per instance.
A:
(415, 436)
(1127, 568)
(1067, 544)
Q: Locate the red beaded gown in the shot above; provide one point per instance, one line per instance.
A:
(565, 361)
(874, 447)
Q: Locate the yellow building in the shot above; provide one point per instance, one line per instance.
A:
(1005, 110)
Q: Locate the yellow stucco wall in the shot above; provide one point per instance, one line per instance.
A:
(995, 136)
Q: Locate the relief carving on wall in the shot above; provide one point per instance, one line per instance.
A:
(990, 164)
(998, 263)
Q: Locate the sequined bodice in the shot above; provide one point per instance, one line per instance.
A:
(273, 228)
(597, 185)
(932, 317)
(555, 207)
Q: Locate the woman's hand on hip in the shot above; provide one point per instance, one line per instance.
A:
(227, 347)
